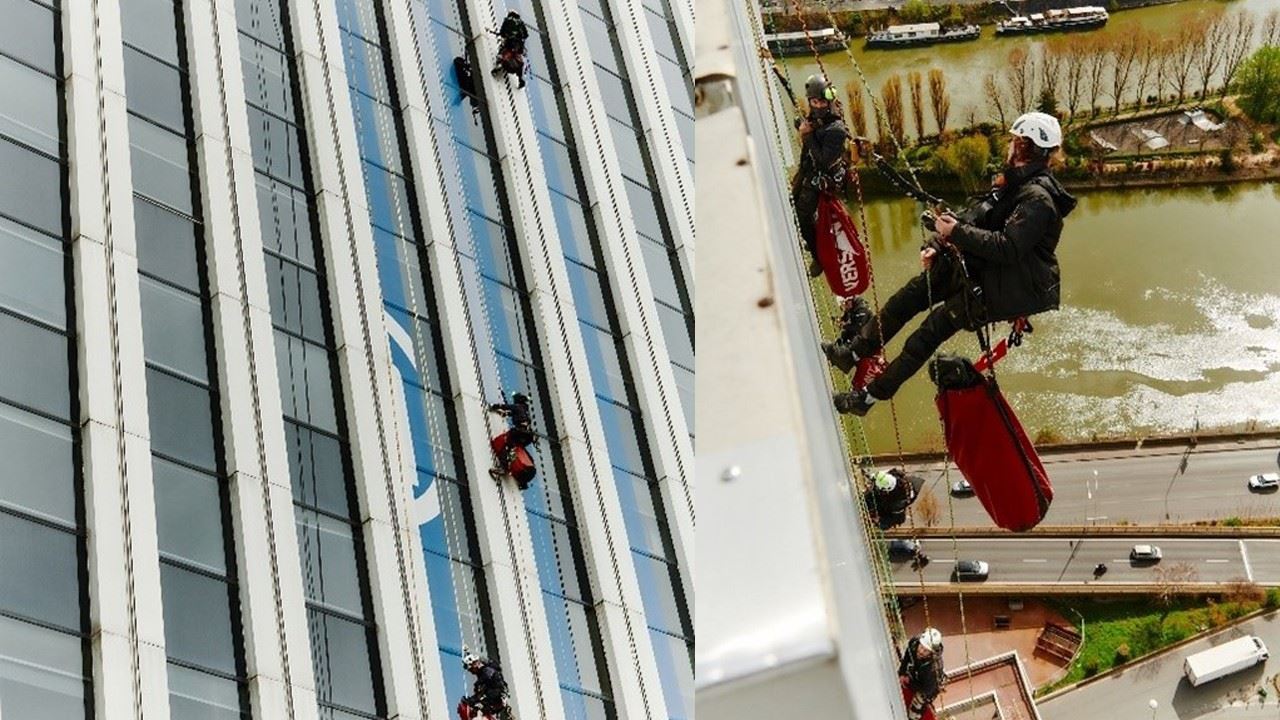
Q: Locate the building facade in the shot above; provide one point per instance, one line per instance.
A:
(264, 266)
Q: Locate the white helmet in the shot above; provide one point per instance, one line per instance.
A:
(932, 639)
(469, 658)
(1041, 128)
(885, 481)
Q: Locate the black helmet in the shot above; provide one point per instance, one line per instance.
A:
(520, 399)
(817, 88)
(513, 13)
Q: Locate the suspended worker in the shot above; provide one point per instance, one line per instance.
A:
(921, 673)
(511, 447)
(1006, 251)
(511, 53)
(890, 495)
(488, 696)
(823, 161)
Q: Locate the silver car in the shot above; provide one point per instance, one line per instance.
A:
(971, 570)
(961, 487)
(1265, 481)
(1145, 553)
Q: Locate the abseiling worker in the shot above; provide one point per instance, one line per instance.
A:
(823, 161)
(1009, 253)
(921, 673)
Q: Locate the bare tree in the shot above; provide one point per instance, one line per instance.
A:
(1182, 55)
(1174, 580)
(927, 509)
(857, 108)
(915, 84)
(1097, 53)
(891, 93)
(1148, 64)
(1073, 73)
(1020, 74)
(995, 97)
(1124, 49)
(1242, 590)
(1211, 49)
(1239, 37)
(1271, 28)
(939, 99)
(1051, 62)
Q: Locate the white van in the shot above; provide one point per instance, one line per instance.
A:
(1227, 658)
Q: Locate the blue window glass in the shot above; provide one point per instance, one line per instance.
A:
(31, 278)
(42, 677)
(35, 366)
(29, 186)
(329, 565)
(29, 113)
(197, 619)
(38, 565)
(27, 33)
(34, 446)
(181, 420)
(340, 654)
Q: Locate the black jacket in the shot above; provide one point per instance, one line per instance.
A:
(514, 30)
(1010, 252)
(519, 413)
(490, 687)
(925, 677)
(823, 150)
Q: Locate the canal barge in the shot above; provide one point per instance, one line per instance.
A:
(1078, 18)
(787, 44)
(921, 34)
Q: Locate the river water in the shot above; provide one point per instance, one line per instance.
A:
(1171, 313)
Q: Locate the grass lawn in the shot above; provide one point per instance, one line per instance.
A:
(1142, 627)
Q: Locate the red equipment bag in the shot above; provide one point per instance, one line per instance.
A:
(907, 694)
(840, 250)
(515, 459)
(465, 712)
(990, 447)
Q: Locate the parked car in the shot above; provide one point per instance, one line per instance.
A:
(961, 487)
(903, 549)
(1145, 553)
(1265, 481)
(971, 570)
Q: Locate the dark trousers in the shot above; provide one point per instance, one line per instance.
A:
(953, 310)
(805, 197)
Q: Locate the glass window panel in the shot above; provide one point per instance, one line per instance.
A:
(358, 16)
(189, 515)
(507, 321)
(37, 474)
(340, 654)
(285, 221)
(166, 244)
(276, 149)
(265, 77)
(546, 111)
(27, 33)
(478, 185)
(153, 90)
(644, 210)
(29, 112)
(661, 33)
(602, 358)
(676, 673)
(159, 161)
(197, 619)
(305, 382)
(445, 503)
(636, 497)
(198, 696)
(181, 420)
(328, 552)
(30, 187)
(427, 412)
(31, 274)
(332, 713)
(38, 565)
(364, 66)
(173, 330)
(388, 199)
(151, 26)
(444, 12)
(599, 42)
(679, 92)
(572, 223)
(628, 147)
(657, 592)
(620, 437)
(584, 707)
(658, 264)
(400, 273)
(490, 242)
(454, 603)
(295, 298)
(376, 131)
(315, 464)
(571, 627)
(555, 547)
(425, 371)
(684, 126)
(41, 672)
(685, 387)
(261, 19)
(588, 297)
(35, 366)
(676, 332)
(558, 166)
(613, 94)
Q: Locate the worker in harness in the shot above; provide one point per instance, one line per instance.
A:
(488, 698)
(511, 447)
(823, 161)
(995, 264)
(921, 673)
(890, 495)
(511, 53)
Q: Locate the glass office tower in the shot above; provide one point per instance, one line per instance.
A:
(264, 266)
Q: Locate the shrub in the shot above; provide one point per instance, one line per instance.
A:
(1256, 142)
(1147, 636)
(1232, 522)
(1258, 82)
(1227, 160)
(1273, 598)
(1122, 654)
(1090, 667)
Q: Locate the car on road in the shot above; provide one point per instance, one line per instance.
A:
(1265, 481)
(961, 487)
(1145, 554)
(903, 549)
(971, 570)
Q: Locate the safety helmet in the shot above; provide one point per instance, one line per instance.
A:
(512, 13)
(932, 639)
(817, 88)
(885, 481)
(469, 658)
(1042, 129)
(520, 399)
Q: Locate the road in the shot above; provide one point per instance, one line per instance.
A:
(1131, 486)
(1126, 695)
(1059, 560)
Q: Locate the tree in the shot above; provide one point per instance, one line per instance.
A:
(1148, 60)
(1174, 580)
(1096, 54)
(1051, 62)
(1073, 71)
(939, 99)
(1239, 35)
(1271, 28)
(1242, 590)
(857, 108)
(892, 95)
(927, 509)
(1047, 103)
(995, 98)
(966, 159)
(1182, 55)
(1212, 47)
(1258, 83)
(1020, 75)
(1124, 53)
(915, 84)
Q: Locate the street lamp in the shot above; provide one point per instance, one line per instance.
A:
(1153, 705)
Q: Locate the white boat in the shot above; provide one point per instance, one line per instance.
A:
(798, 43)
(1078, 18)
(921, 34)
